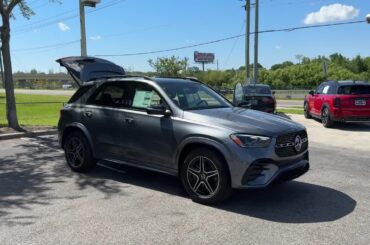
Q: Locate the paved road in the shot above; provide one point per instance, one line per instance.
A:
(43, 202)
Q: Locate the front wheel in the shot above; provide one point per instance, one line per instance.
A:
(326, 119)
(78, 152)
(205, 176)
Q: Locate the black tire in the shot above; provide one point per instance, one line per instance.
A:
(306, 111)
(209, 184)
(326, 119)
(78, 152)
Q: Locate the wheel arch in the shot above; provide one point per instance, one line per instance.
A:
(80, 128)
(203, 143)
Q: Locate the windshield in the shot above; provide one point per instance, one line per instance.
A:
(193, 96)
(354, 89)
(256, 90)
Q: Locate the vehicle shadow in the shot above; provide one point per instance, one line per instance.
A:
(291, 202)
(36, 169)
(353, 127)
(29, 177)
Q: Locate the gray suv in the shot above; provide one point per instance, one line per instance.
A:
(177, 126)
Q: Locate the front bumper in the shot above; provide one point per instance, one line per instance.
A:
(259, 167)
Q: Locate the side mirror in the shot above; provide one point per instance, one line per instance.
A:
(158, 110)
(311, 92)
(273, 92)
(244, 105)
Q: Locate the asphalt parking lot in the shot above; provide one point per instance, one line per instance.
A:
(43, 202)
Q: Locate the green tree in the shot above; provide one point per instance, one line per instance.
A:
(6, 9)
(173, 66)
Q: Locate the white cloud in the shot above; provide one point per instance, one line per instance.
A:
(63, 27)
(278, 47)
(96, 38)
(331, 13)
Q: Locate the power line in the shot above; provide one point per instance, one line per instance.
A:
(52, 20)
(232, 37)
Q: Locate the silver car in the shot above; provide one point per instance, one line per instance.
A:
(177, 126)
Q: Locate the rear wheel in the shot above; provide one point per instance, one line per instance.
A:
(205, 176)
(78, 152)
(326, 119)
(306, 111)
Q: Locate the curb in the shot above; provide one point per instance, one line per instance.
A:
(27, 134)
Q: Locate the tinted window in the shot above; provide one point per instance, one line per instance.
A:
(320, 89)
(81, 91)
(193, 96)
(238, 94)
(354, 89)
(257, 90)
(326, 89)
(145, 96)
(110, 95)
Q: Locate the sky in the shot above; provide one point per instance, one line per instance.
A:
(133, 26)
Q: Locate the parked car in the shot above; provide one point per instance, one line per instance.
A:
(255, 96)
(176, 126)
(339, 101)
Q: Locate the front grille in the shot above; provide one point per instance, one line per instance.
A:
(285, 144)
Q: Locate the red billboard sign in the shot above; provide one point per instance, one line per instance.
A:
(204, 57)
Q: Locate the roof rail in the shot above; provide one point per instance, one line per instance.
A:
(193, 79)
(121, 76)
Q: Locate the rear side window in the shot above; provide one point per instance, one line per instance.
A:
(81, 91)
(110, 95)
(354, 89)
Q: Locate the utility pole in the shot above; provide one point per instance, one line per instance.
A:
(255, 66)
(83, 29)
(83, 3)
(247, 41)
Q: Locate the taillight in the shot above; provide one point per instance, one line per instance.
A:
(267, 100)
(337, 102)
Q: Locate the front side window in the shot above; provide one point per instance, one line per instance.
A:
(320, 89)
(326, 89)
(144, 96)
(193, 96)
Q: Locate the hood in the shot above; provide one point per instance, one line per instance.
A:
(247, 121)
(85, 69)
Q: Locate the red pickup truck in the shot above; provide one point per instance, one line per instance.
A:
(339, 101)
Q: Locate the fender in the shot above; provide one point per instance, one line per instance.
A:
(219, 145)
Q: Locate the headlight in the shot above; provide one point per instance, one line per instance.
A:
(246, 140)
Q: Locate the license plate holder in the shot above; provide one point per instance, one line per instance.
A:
(360, 102)
(254, 102)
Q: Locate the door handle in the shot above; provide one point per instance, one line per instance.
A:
(129, 120)
(88, 114)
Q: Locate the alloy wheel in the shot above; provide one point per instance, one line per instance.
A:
(203, 176)
(75, 152)
(325, 116)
